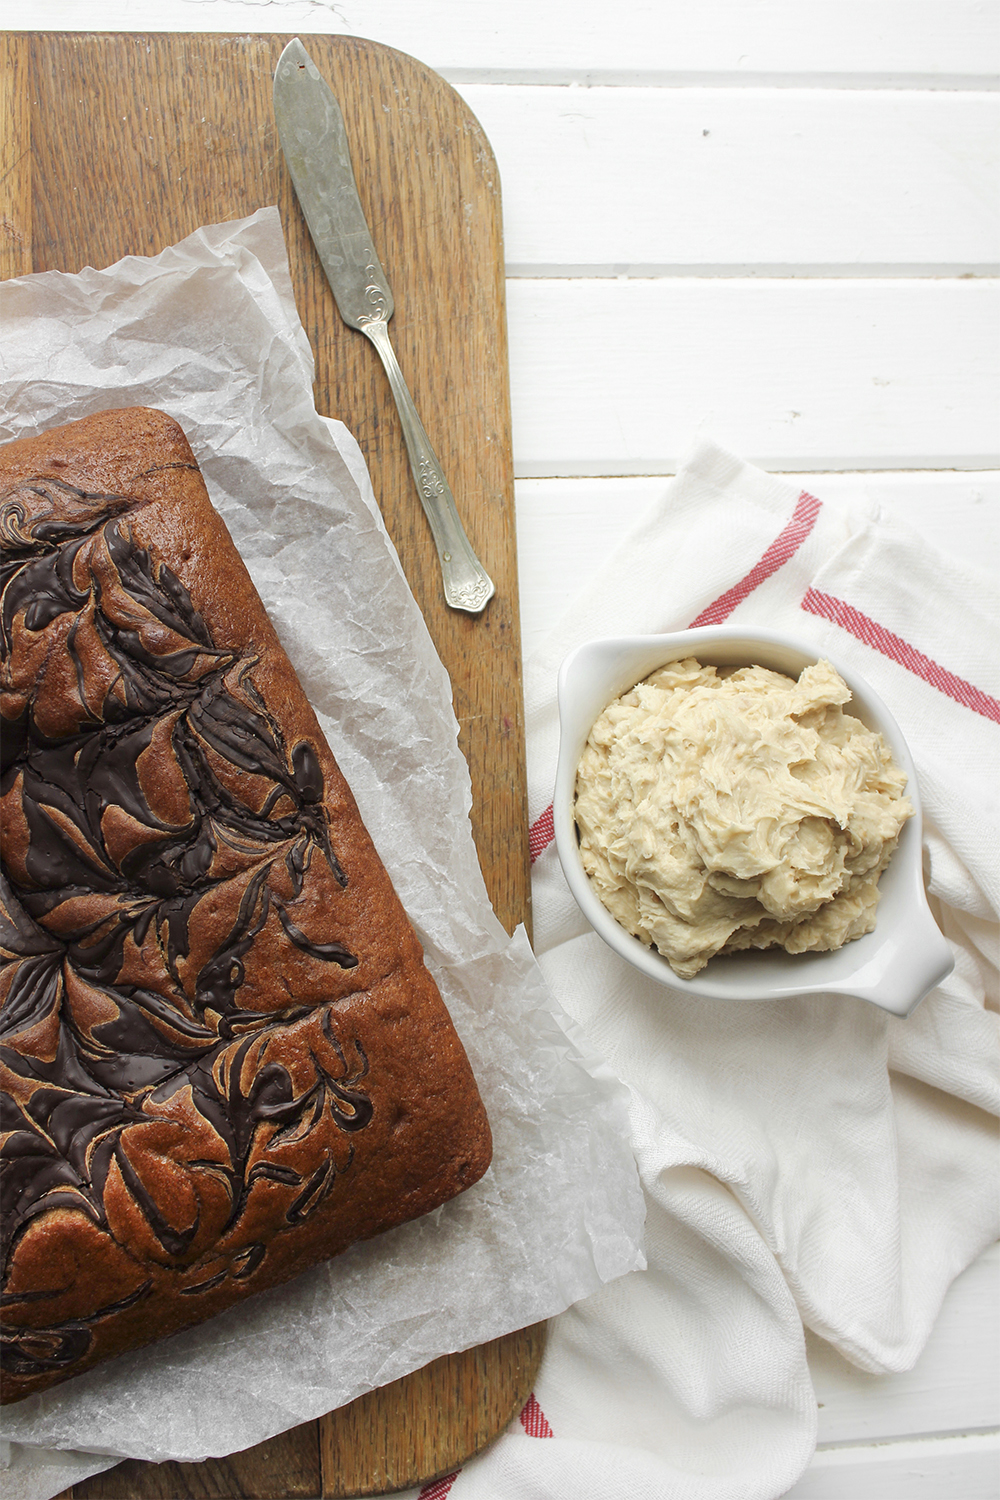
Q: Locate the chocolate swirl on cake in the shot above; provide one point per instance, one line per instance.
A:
(223, 1058)
(158, 832)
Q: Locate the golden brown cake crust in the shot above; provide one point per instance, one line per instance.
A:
(223, 1059)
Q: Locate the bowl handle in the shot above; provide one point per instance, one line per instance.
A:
(907, 966)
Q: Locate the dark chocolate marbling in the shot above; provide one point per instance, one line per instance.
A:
(155, 825)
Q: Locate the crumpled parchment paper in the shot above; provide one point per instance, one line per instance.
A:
(208, 331)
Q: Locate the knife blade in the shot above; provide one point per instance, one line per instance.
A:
(314, 142)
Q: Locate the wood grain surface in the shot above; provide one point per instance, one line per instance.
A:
(123, 144)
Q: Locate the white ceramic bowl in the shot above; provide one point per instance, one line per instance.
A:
(894, 966)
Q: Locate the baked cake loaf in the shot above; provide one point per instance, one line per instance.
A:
(223, 1057)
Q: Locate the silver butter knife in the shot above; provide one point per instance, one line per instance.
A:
(314, 141)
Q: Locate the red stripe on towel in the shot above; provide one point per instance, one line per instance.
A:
(541, 834)
(880, 639)
(784, 546)
(437, 1489)
(533, 1419)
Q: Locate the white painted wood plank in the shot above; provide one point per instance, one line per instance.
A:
(617, 377)
(958, 1468)
(599, 181)
(567, 527)
(947, 41)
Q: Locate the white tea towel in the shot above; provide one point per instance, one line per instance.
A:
(812, 1162)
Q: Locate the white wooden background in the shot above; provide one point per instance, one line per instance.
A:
(775, 221)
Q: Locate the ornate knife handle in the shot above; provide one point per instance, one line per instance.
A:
(467, 585)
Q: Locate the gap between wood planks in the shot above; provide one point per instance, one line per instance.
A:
(665, 79)
(737, 271)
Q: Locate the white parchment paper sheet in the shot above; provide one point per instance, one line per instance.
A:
(208, 331)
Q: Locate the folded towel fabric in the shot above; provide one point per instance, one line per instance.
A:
(812, 1163)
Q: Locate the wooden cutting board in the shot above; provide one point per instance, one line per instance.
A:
(123, 144)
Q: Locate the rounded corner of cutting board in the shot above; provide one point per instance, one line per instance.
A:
(464, 1386)
(390, 60)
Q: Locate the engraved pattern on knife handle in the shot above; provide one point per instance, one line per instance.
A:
(467, 585)
(379, 309)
